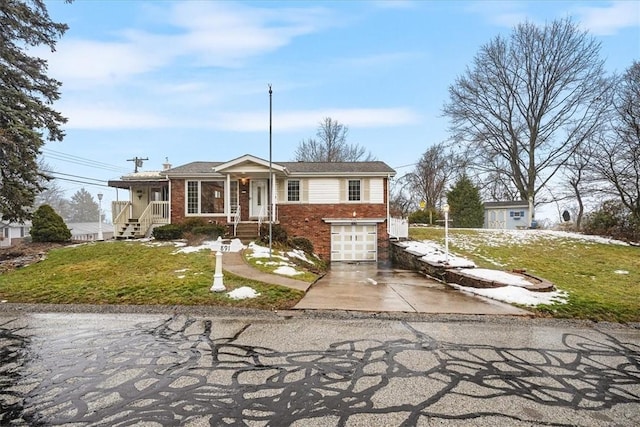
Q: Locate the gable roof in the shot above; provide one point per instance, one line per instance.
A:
(514, 204)
(246, 160)
(377, 168)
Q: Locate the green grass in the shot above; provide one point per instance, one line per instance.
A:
(264, 265)
(132, 273)
(586, 270)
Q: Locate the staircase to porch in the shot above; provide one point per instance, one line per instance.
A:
(247, 231)
(129, 230)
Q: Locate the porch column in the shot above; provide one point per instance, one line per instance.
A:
(227, 198)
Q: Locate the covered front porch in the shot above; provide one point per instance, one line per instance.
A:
(148, 205)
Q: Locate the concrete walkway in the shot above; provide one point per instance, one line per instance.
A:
(234, 263)
(365, 287)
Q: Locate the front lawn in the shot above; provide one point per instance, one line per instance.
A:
(133, 272)
(602, 279)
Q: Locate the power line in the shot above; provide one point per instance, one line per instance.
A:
(73, 176)
(81, 182)
(57, 155)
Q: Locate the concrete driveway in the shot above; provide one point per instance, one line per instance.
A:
(367, 287)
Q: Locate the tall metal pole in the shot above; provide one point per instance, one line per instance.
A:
(100, 236)
(270, 174)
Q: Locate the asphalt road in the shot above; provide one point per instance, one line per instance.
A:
(162, 370)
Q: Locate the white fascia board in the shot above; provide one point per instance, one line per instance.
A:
(356, 221)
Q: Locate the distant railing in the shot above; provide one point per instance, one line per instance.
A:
(398, 228)
(155, 213)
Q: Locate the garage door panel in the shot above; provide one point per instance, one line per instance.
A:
(354, 243)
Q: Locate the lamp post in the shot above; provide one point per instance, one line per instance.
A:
(445, 208)
(100, 237)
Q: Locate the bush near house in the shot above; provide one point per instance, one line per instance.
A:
(210, 230)
(190, 227)
(48, 226)
(278, 234)
(167, 232)
(303, 244)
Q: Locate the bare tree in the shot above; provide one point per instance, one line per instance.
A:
(617, 157)
(528, 103)
(51, 194)
(400, 202)
(579, 180)
(331, 145)
(431, 175)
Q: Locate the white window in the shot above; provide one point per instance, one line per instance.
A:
(293, 190)
(353, 190)
(205, 197)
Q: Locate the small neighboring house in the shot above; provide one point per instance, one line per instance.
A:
(88, 231)
(506, 215)
(12, 233)
(342, 207)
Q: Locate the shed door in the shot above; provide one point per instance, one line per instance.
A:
(354, 243)
(498, 219)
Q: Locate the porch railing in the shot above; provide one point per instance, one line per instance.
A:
(236, 219)
(120, 212)
(398, 228)
(155, 213)
(261, 217)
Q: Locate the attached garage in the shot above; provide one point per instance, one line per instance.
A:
(354, 242)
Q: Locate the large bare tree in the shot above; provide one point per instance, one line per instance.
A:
(330, 145)
(528, 102)
(617, 156)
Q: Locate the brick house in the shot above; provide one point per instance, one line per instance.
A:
(343, 208)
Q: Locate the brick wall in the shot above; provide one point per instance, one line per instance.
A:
(177, 200)
(306, 221)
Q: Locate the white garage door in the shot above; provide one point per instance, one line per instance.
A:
(354, 243)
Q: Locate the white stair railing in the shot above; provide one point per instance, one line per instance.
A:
(236, 220)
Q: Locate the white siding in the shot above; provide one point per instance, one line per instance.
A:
(376, 190)
(324, 191)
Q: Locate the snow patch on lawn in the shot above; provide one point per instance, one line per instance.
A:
(286, 270)
(433, 253)
(517, 295)
(243, 292)
(235, 245)
(503, 277)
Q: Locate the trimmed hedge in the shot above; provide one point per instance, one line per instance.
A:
(210, 230)
(168, 232)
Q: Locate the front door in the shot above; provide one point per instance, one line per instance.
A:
(258, 204)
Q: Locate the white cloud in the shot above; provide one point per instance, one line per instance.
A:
(219, 34)
(108, 117)
(502, 13)
(394, 4)
(608, 20)
(296, 120)
(85, 115)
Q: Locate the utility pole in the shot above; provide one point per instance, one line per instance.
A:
(137, 162)
(270, 176)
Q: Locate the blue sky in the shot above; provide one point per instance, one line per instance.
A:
(188, 80)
